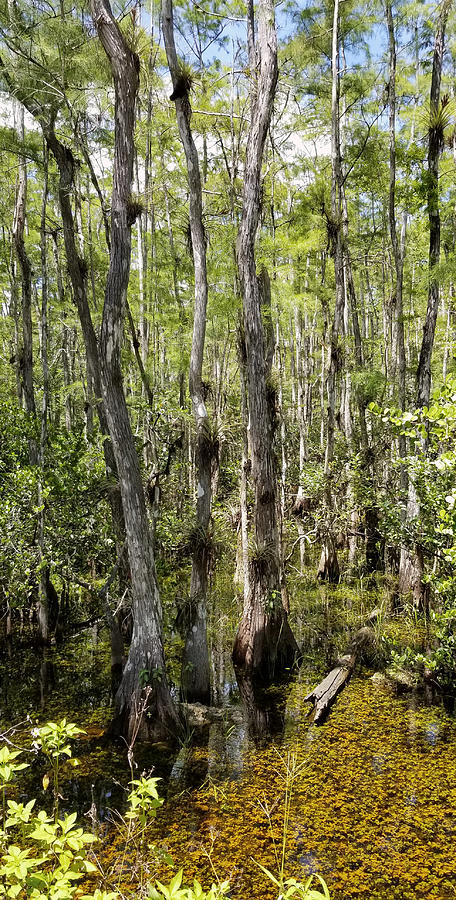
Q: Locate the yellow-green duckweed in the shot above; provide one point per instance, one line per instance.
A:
(373, 808)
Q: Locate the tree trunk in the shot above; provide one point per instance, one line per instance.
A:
(77, 271)
(411, 565)
(43, 598)
(177, 295)
(242, 567)
(280, 354)
(14, 312)
(66, 336)
(78, 275)
(26, 363)
(302, 384)
(195, 680)
(146, 651)
(435, 147)
(328, 569)
(409, 568)
(398, 246)
(264, 645)
(374, 554)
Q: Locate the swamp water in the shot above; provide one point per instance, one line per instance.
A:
(373, 807)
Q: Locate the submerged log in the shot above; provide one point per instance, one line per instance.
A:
(325, 693)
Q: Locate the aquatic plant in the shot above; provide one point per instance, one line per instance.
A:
(287, 773)
(44, 857)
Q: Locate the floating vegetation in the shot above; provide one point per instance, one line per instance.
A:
(373, 809)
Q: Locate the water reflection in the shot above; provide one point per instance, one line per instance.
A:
(46, 677)
(190, 767)
(228, 741)
(309, 863)
(66, 681)
(379, 764)
(432, 733)
(264, 710)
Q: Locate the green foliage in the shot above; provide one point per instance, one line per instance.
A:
(8, 767)
(18, 813)
(54, 860)
(143, 800)
(433, 475)
(175, 890)
(290, 889)
(53, 740)
(74, 493)
(369, 385)
(52, 856)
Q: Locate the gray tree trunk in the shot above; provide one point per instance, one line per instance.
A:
(411, 568)
(146, 649)
(43, 598)
(195, 679)
(77, 271)
(245, 469)
(264, 645)
(26, 357)
(435, 147)
(328, 568)
(397, 245)
(66, 335)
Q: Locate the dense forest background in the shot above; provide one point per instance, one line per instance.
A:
(228, 326)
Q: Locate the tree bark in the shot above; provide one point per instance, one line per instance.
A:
(411, 568)
(146, 651)
(397, 244)
(66, 335)
(328, 568)
(325, 693)
(435, 147)
(43, 598)
(264, 645)
(77, 271)
(26, 359)
(195, 679)
(410, 571)
(245, 468)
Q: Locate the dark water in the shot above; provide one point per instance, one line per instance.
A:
(373, 791)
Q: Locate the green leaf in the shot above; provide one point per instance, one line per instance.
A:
(269, 874)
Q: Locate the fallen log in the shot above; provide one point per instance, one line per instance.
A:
(324, 694)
